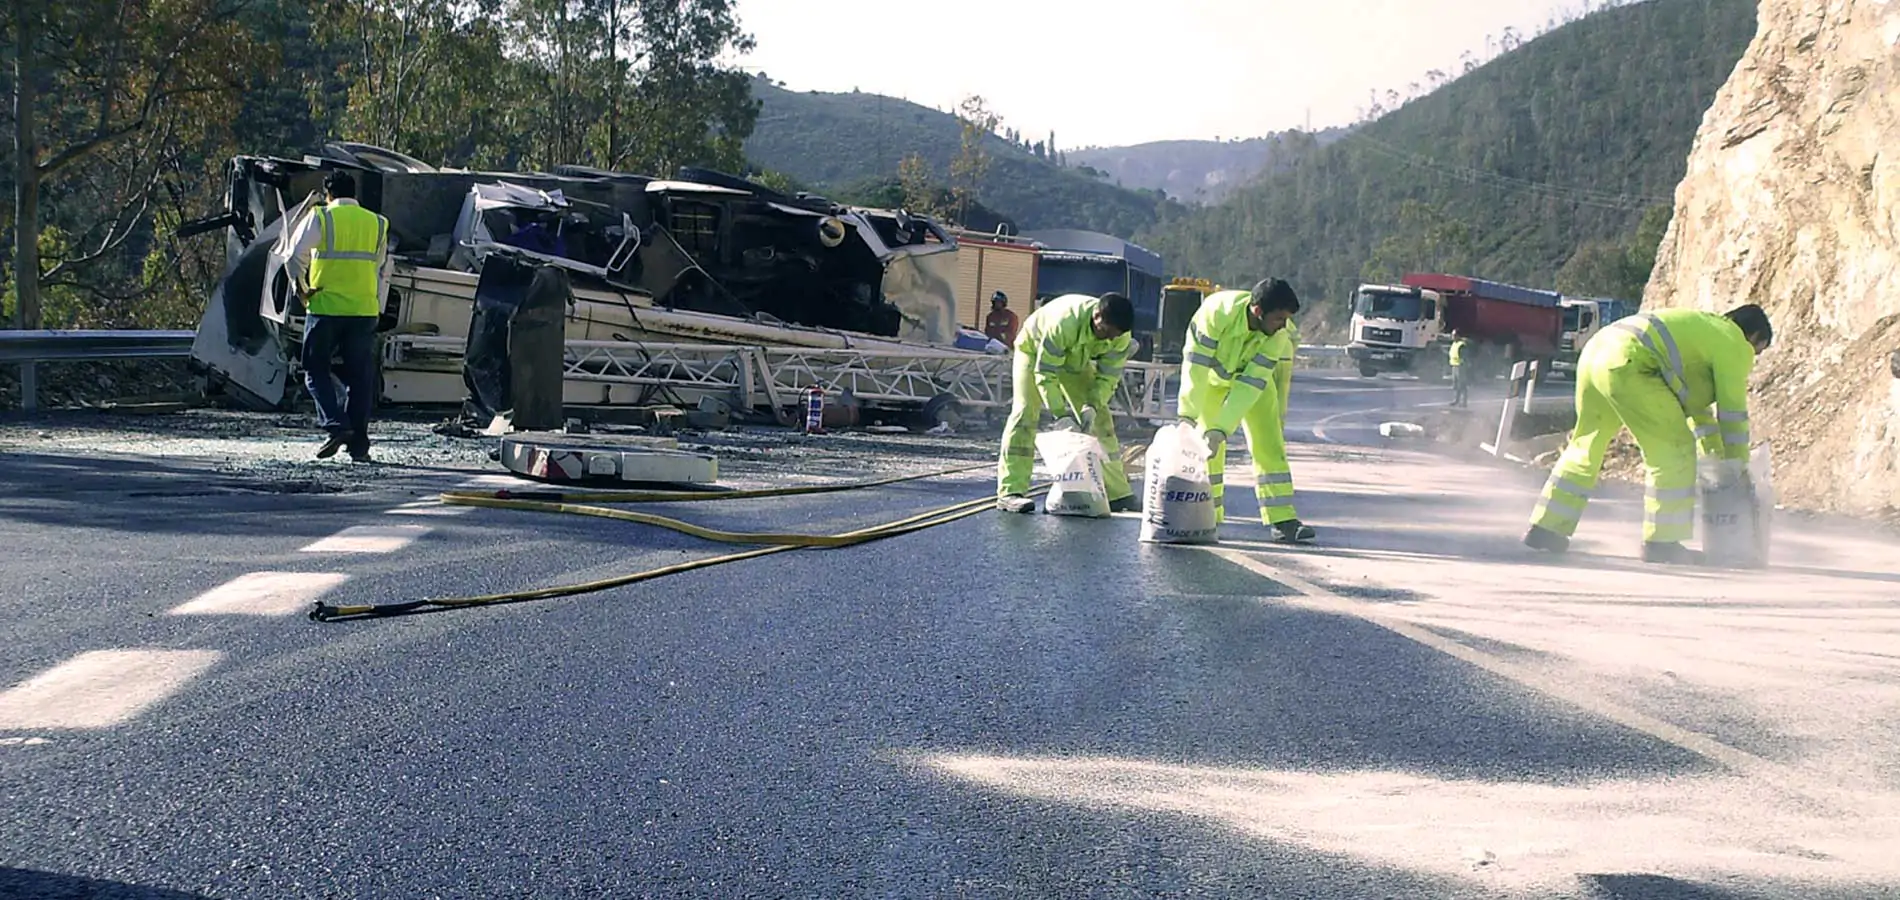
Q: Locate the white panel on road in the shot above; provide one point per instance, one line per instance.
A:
(262, 594)
(369, 539)
(101, 688)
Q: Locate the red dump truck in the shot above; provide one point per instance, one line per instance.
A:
(1405, 327)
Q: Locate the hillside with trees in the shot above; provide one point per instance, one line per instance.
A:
(1539, 166)
(865, 148)
(1551, 165)
(136, 106)
(1195, 172)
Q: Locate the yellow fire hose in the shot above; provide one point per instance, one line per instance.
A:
(777, 542)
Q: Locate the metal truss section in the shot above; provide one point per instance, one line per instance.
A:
(776, 377)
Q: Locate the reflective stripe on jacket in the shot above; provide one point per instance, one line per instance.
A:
(344, 266)
(1704, 359)
(1061, 336)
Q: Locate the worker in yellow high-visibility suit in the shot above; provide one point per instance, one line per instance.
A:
(1238, 345)
(1068, 360)
(1656, 373)
(1460, 371)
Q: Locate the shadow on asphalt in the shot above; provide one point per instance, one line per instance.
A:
(27, 884)
(159, 496)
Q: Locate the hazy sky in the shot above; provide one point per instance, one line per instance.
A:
(1107, 72)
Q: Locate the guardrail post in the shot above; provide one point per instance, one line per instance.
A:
(1508, 417)
(29, 387)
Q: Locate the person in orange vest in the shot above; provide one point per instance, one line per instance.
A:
(1002, 322)
(341, 264)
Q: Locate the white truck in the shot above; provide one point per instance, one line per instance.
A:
(1583, 318)
(1391, 324)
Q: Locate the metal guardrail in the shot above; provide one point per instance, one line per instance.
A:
(63, 346)
(1322, 351)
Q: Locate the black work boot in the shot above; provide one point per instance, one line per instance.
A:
(1293, 531)
(338, 438)
(1125, 504)
(1016, 503)
(1541, 538)
(1670, 553)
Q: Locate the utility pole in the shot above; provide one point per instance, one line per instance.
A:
(26, 193)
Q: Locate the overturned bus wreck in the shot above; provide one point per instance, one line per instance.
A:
(681, 269)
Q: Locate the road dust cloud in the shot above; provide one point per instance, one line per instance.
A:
(1497, 834)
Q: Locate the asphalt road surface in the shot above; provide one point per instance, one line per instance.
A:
(1006, 706)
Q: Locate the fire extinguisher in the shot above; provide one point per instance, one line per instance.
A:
(814, 410)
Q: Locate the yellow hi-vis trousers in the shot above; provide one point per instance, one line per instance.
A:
(1018, 457)
(1266, 442)
(1610, 397)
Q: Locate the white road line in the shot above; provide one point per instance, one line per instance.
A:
(101, 688)
(23, 741)
(262, 594)
(1315, 597)
(369, 539)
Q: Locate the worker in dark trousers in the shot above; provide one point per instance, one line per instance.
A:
(341, 263)
(1460, 373)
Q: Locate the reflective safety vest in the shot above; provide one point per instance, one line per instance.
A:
(1223, 354)
(1704, 359)
(1061, 337)
(1458, 352)
(344, 266)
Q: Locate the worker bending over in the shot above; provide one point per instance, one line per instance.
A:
(1655, 373)
(1068, 360)
(1238, 343)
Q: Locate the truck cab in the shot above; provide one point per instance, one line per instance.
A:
(1584, 317)
(1180, 300)
(1393, 324)
(1582, 320)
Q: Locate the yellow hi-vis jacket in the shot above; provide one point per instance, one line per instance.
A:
(1223, 354)
(1061, 337)
(344, 267)
(1704, 358)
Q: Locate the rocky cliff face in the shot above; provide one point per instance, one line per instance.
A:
(1792, 201)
